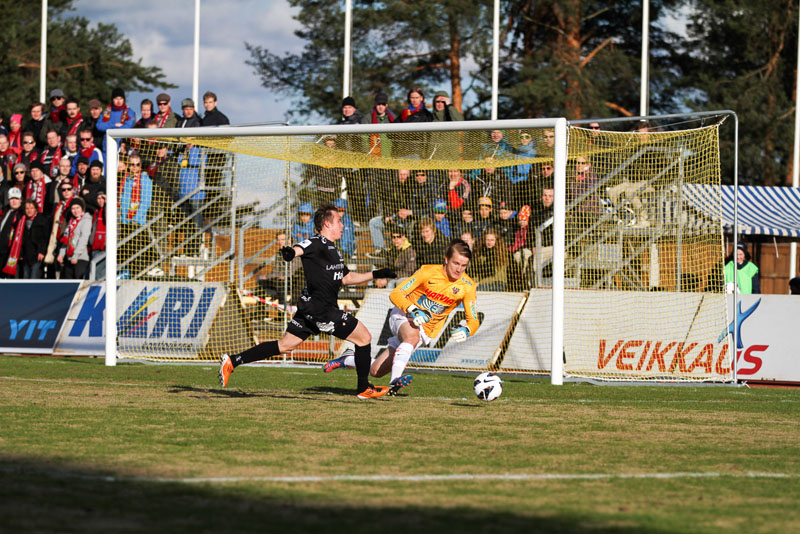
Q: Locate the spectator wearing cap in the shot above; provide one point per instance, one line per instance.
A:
(485, 219)
(304, 227)
(56, 118)
(73, 251)
(8, 158)
(81, 171)
(380, 144)
(190, 117)
(15, 133)
(445, 145)
(165, 118)
(94, 185)
(146, 113)
(38, 189)
(748, 281)
(86, 149)
(347, 243)
(117, 114)
(213, 116)
(440, 217)
(11, 230)
(90, 122)
(34, 241)
(35, 124)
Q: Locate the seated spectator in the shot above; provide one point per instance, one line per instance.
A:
(73, 252)
(485, 219)
(304, 228)
(394, 198)
(347, 243)
(190, 117)
(11, 231)
(34, 241)
(116, 115)
(213, 116)
(402, 258)
(491, 263)
(496, 147)
(440, 217)
(492, 181)
(429, 245)
(505, 223)
(458, 189)
(466, 223)
(165, 118)
(423, 192)
(146, 111)
(542, 214)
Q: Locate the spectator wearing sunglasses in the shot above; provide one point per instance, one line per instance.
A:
(30, 152)
(61, 218)
(86, 149)
(165, 118)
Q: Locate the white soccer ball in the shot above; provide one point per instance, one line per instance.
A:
(488, 386)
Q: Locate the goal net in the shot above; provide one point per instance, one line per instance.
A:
(201, 215)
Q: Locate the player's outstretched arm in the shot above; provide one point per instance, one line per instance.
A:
(290, 253)
(353, 278)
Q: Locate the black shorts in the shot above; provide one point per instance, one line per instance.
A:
(335, 322)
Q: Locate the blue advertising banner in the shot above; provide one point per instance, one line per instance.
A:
(33, 312)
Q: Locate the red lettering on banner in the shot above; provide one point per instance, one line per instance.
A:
(643, 357)
(622, 365)
(750, 358)
(602, 359)
(679, 360)
(721, 359)
(705, 359)
(657, 356)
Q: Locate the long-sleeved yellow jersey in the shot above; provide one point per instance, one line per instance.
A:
(429, 288)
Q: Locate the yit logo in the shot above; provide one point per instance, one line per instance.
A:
(748, 354)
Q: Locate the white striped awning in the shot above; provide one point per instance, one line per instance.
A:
(762, 210)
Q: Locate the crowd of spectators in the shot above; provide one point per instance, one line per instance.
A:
(53, 188)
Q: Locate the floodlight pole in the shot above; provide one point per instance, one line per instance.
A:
(43, 56)
(643, 90)
(196, 58)
(495, 56)
(348, 23)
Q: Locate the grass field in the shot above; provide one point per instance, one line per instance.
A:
(135, 448)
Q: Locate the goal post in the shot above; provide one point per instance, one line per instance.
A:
(593, 259)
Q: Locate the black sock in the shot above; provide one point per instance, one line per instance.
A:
(254, 354)
(363, 361)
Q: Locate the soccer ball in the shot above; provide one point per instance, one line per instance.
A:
(488, 386)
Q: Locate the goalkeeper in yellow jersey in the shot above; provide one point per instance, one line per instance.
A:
(422, 305)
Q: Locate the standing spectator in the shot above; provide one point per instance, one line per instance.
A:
(491, 263)
(520, 175)
(61, 217)
(57, 116)
(304, 227)
(63, 177)
(445, 145)
(190, 118)
(135, 202)
(747, 280)
(15, 133)
(117, 114)
(73, 253)
(3, 129)
(74, 120)
(402, 258)
(213, 116)
(380, 144)
(38, 189)
(71, 148)
(51, 155)
(34, 241)
(7, 159)
(458, 189)
(11, 230)
(97, 239)
(94, 185)
(466, 224)
(355, 179)
(87, 150)
(90, 124)
(583, 204)
(165, 118)
(413, 145)
(19, 179)
(524, 244)
(542, 214)
(146, 111)
(430, 245)
(416, 110)
(34, 125)
(347, 243)
(29, 151)
(440, 217)
(81, 166)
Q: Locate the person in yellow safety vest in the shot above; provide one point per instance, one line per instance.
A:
(747, 278)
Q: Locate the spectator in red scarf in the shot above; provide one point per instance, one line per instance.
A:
(11, 227)
(56, 118)
(88, 150)
(413, 145)
(19, 179)
(416, 110)
(117, 114)
(146, 110)
(7, 159)
(74, 119)
(165, 118)
(29, 151)
(34, 241)
(38, 189)
(97, 239)
(15, 133)
(73, 252)
(61, 217)
(51, 155)
(380, 144)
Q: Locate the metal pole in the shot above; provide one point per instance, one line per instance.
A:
(559, 232)
(43, 56)
(796, 159)
(643, 96)
(734, 362)
(196, 62)
(348, 22)
(495, 56)
(111, 252)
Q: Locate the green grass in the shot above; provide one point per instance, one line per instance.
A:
(82, 447)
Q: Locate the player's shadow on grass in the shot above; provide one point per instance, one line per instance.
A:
(219, 392)
(330, 390)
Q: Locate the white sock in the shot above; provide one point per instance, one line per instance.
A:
(350, 360)
(401, 357)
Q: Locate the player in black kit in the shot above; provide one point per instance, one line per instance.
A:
(318, 310)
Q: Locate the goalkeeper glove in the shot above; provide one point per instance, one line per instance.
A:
(459, 334)
(288, 253)
(418, 315)
(383, 273)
